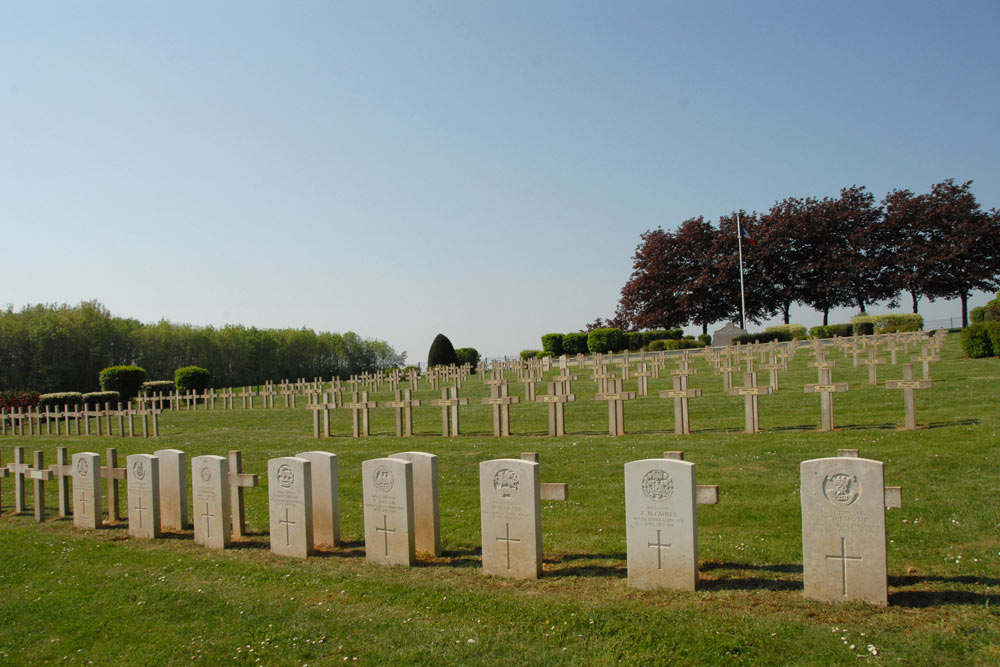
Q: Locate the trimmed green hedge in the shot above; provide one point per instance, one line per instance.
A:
(977, 341)
(530, 354)
(764, 337)
(977, 314)
(126, 380)
(97, 399)
(831, 331)
(191, 378)
(606, 340)
(153, 387)
(794, 330)
(468, 355)
(553, 344)
(887, 323)
(671, 344)
(71, 398)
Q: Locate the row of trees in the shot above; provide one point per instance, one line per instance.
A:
(63, 348)
(821, 253)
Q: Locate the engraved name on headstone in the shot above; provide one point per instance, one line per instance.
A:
(143, 495)
(210, 492)
(387, 488)
(289, 493)
(511, 518)
(87, 509)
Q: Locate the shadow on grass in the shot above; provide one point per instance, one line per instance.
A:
(616, 568)
(750, 583)
(920, 599)
(346, 549)
(954, 422)
(472, 557)
(715, 565)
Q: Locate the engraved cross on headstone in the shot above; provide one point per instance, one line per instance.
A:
(659, 546)
(385, 530)
(508, 539)
(287, 523)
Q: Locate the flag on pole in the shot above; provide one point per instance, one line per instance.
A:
(745, 235)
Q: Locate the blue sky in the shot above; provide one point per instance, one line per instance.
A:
(481, 169)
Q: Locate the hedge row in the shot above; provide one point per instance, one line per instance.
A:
(794, 330)
(981, 339)
(671, 344)
(158, 386)
(765, 337)
(831, 331)
(604, 341)
(865, 325)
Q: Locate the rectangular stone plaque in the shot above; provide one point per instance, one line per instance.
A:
(173, 489)
(843, 530)
(387, 488)
(511, 516)
(325, 497)
(143, 495)
(289, 493)
(210, 492)
(661, 524)
(426, 510)
(87, 509)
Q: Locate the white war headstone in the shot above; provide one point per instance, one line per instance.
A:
(289, 493)
(212, 509)
(511, 515)
(661, 524)
(325, 497)
(87, 509)
(843, 530)
(143, 495)
(387, 488)
(173, 489)
(426, 508)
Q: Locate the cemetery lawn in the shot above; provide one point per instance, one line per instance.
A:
(102, 597)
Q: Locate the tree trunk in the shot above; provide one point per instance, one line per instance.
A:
(915, 297)
(964, 296)
(704, 328)
(786, 310)
(861, 304)
(826, 316)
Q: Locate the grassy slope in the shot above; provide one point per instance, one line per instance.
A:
(102, 596)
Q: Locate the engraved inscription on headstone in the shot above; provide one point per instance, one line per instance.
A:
(87, 509)
(210, 492)
(143, 495)
(511, 518)
(289, 492)
(843, 530)
(661, 524)
(388, 500)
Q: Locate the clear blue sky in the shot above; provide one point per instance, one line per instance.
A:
(482, 169)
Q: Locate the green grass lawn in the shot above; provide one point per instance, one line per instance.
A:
(102, 597)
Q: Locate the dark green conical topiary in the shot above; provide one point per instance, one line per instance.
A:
(442, 352)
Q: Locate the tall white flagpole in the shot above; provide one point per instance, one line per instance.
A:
(743, 300)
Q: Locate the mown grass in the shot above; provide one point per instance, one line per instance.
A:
(103, 597)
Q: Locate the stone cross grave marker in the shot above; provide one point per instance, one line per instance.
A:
(557, 409)
(601, 376)
(172, 487)
(529, 381)
(388, 509)
(925, 358)
(323, 407)
(511, 518)
(39, 474)
(872, 363)
(4, 472)
(239, 480)
(18, 469)
(426, 506)
(212, 509)
(143, 495)
(750, 393)
(360, 407)
(325, 497)
(501, 402)
(87, 510)
(616, 405)
(843, 529)
(776, 364)
(449, 403)
(681, 393)
(289, 493)
(826, 388)
(113, 474)
(565, 382)
(642, 379)
(403, 405)
(661, 524)
(909, 385)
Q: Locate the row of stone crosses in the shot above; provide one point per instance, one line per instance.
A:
(843, 502)
(726, 362)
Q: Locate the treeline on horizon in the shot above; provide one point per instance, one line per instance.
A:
(49, 348)
(849, 251)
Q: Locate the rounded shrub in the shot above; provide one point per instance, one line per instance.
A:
(191, 378)
(468, 355)
(126, 380)
(97, 399)
(442, 352)
(976, 341)
(553, 344)
(605, 340)
(575, 343)
(530, 354)
(70, 398)
(977, 314)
